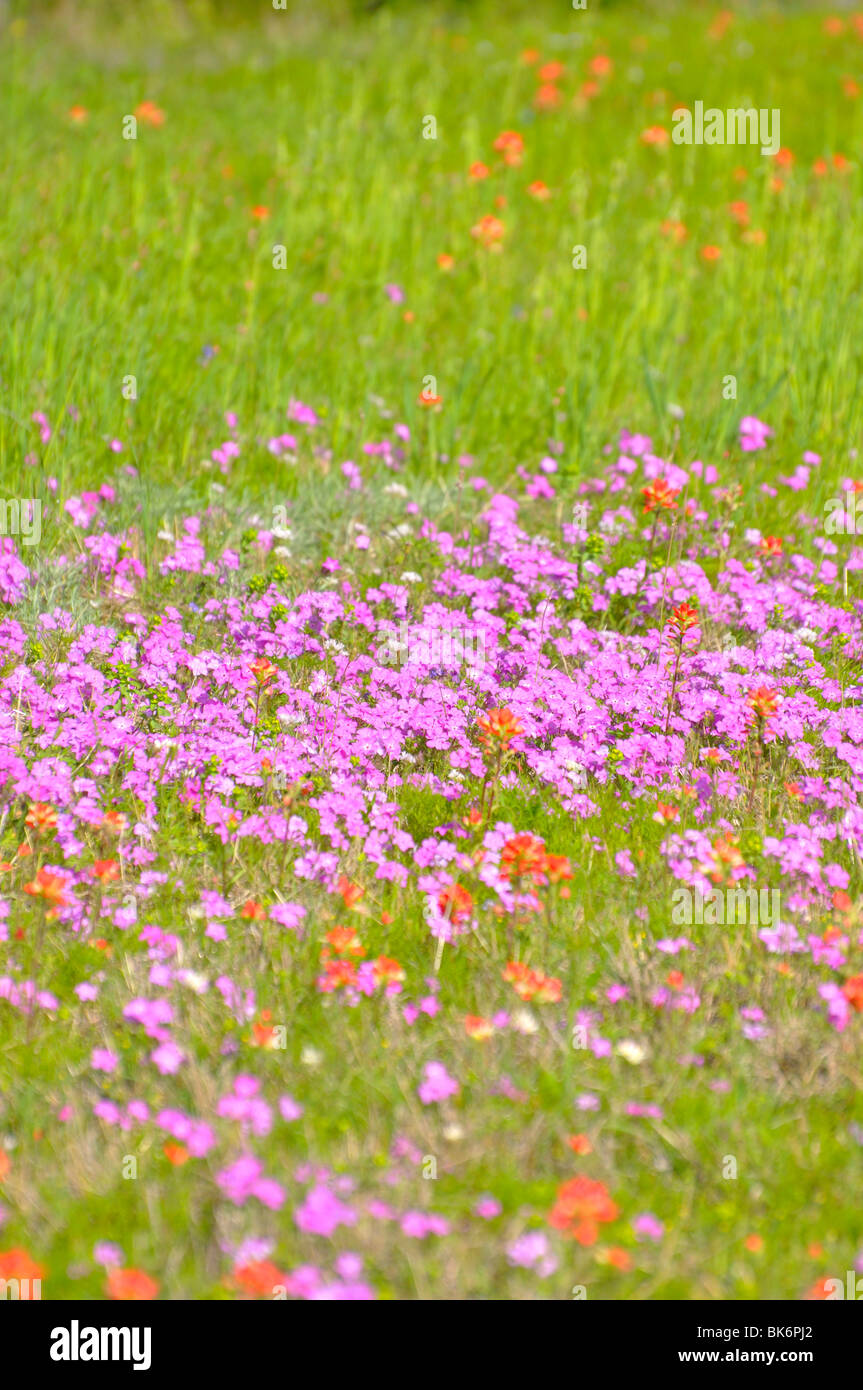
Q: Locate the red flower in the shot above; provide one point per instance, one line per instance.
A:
(387, 971)
(263, 670)
(763, 701)
(658, 496)
(489, 230)
(683, 617)
(532, 984)
(257, 1278)
(581, 1206)
(345, 942)
(351, 893)
(41, 816)
(106, 870)
(478, 1028)
(853, 991)
(131, 1285)
(499, 726)
(511, 145)
(455, 903)
(523, 857)
(770, 546)
(17, 1264)
(49, 886)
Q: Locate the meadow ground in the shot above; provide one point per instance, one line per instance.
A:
(429, 654)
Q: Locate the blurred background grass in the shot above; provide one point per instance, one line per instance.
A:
(141, 257)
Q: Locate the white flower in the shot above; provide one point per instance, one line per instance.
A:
(311, 1057)
(631, 1052)
(523, 1021)
(411, 577)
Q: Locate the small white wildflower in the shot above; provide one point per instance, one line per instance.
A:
(523, 1021)
(631, 1052)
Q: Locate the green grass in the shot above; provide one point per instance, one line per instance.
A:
(128, 257)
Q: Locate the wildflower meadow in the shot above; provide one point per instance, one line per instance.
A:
(431, 616)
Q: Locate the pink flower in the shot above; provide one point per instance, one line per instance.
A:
(438, 1084)
(167, 1058)
(322, 1212)
(103, 1060)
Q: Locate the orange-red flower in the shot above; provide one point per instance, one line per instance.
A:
(580, 1144)
(265, 1034)
(260, 213)
(18, 1264)
(683, 617)
(547, 96)
(489, 230)
(478, 1028)
(106, 870)
(49, 886)
(131, 1285)
(253, 911)
(387, 971)
(532, 985)
(263, 670)
(78, 114)
(763, 701)
(114, 821)
(539, 190)
(150, 113)
(499, 726)
(659, 496)
(822, 1289)
(345, 942)
(655, 135)
(523, 857)
(511, 145)
(557, 868)
(770, 546)
(616, 1256)
(257, 1278)
(710, 253)
(177, 1154)
(582, 1205)
(853, 991)
(338, 974)
(455, 903)
(478, 171)
(352, 893)
(40, 816)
